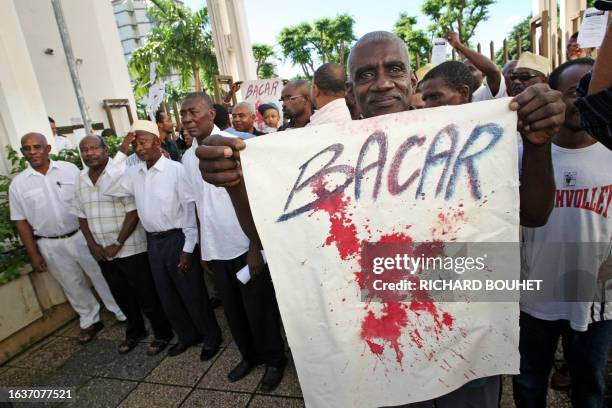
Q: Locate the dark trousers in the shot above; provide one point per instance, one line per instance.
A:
(252, 312)
(479, 393)
(183, 294)
(586, 354)
(131, 284)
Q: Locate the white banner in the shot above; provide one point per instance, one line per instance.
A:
(319, 193)
(263, 91)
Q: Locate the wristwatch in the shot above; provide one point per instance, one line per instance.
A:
(116, 242)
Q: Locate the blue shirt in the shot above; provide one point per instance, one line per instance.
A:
(242, 135)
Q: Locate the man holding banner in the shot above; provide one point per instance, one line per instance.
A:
(394, 352)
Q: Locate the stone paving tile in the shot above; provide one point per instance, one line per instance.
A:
(155, 395)
(112, 331)
(18, 377)
(261, 401)
(100, 358)
(69, 330)
(507, 400)
(289, 386)
(101, 393)
(216, 377)
(49, 356)
(61, 378)
(184, 369)
(216, 399)
(29, 351)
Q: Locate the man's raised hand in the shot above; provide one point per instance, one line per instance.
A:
(220, 160)
(541, 112)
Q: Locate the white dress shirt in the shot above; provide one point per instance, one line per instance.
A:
(105, 214)
(163, 196)
(484, 93)
(45, 200)
(221, 237)
(335, 111)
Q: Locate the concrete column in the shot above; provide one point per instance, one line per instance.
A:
(549, 38)
(22, 108)
(231, 38)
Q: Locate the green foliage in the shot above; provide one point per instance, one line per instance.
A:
(180, 42)
(261, 53)
(69, 155)
(461, 16)
(417, 40)
(522, 29)
(325, 40)
(12, 253)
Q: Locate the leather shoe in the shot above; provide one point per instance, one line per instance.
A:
(208, 353)
(240, 371)
(271, 378)
(178, 348)
(88, 334)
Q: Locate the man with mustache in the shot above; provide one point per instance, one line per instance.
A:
(165, 205)
(531, 69)
(381, 82)
(118, 242)
(297, 106)
(250, 308)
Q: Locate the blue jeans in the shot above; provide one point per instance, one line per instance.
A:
(586, 354)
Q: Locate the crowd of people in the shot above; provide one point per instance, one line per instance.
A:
(163, 231)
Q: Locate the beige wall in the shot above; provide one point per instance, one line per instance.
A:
(95, 41)
(22, 109)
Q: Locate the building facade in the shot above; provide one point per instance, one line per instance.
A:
(34, 78)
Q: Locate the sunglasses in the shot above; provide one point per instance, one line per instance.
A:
(523, 77)
(290, 98)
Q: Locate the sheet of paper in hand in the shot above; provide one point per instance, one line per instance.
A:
(321, 195)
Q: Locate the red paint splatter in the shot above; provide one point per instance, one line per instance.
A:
(387, 328)
(375, 348)
(447, 320)
(416, 338)
(342, 231)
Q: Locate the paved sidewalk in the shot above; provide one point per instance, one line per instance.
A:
(103, 378)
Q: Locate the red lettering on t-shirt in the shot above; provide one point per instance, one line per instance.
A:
(559, 198)
(578, 198)
(605, 213)
(590, 205)
(599, 206)
(587, 199)
(569, 196)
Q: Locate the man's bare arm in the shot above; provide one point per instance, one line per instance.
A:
(602, 70)
(24, 229)
(484, 64)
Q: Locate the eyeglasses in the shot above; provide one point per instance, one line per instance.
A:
(289, 98)
(523, 76)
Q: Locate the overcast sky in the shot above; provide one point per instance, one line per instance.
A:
(267, 17)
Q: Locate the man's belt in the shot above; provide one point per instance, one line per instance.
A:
(68, 235)
(164, 234)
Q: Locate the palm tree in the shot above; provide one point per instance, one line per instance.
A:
(181, 40)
